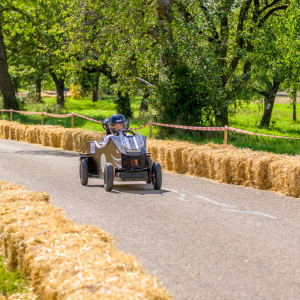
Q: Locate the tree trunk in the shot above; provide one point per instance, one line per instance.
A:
(269, 103)
(145, 104)
(294, 110)
(123, 105)
(96, 88)
(164, 15)
(6, 86)
(294, 100)
(38, 84)
(221, 116)
(60, 88)
(16, 84)
(38, 90)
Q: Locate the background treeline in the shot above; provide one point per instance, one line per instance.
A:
(195, 60)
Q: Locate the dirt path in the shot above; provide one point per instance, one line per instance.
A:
(49, 94)
(283, 97)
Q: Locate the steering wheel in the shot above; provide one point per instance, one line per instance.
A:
(124, 131)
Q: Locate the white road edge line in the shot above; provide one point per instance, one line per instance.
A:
(251, 212)
(175, 191)
(182, 197)
(214, 202)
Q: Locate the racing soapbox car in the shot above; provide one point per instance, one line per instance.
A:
(122, 158)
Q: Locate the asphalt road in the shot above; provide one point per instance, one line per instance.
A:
(203, 239)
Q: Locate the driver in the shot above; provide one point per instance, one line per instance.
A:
(116, 123)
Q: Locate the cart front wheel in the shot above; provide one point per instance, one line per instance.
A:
(157, 175)
(83, 171)
(149, 164)
(108, 177)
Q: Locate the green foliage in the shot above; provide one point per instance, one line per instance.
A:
(200, 56)
(11, 282)
(122, 105)
(181, 99)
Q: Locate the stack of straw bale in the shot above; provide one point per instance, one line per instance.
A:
(53, 136)
(228, 164)
(64, 260)
(224, 163)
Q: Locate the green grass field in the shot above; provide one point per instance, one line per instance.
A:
(99, 111)
(246, 117)
(11, 282)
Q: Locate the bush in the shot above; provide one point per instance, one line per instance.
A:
(75, 92)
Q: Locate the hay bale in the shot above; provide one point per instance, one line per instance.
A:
(186, 159)
(229, 164)
(6, 130)
(12, 132)
(80, 139)
(18, 134)
(284, 175)
(176, 155)
(65, 260)
(153, 147)
(67, 139)
(76, 142)
(168, 160)
(23, 132)
(55, 135)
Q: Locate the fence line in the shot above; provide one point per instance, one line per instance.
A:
(260, 134)
(225, 128)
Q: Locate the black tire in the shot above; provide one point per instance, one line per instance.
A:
(108, 177)
(157, 175)
(83, 171)
(149, 164)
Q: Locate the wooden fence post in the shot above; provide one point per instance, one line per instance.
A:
(11, 114)
(150, 129)
(225, 135)
(72, 122)
(42, 118)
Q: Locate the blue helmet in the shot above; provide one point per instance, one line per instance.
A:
(117, 119)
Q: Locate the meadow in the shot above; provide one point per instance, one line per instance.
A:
(245, 116)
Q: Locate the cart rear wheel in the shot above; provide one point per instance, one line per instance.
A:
(157, 175)
(83, 171)
(149, 164)
(108, 177)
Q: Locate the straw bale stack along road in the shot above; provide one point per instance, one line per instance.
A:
(205, 240)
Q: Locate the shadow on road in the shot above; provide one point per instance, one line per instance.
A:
(140, 189)
(48, 152)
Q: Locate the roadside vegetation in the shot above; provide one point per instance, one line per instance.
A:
(200, 63)
(245, 116)
(11, 282)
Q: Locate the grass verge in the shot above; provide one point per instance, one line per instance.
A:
(246, 117)
(11, 282)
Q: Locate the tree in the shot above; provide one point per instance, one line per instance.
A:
(33, 43)
(84, 49)
(6, 86)
(277, 60)
(200, 52)
(292, 82)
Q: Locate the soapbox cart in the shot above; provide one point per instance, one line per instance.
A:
(122, 158)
